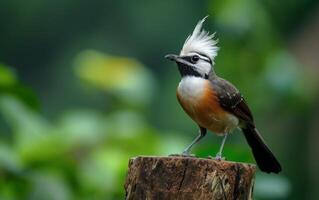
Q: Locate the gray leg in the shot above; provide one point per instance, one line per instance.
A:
(219, 154)
(202, 133)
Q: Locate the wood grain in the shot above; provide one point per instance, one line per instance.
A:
(188, 178)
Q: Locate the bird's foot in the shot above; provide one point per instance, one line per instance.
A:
(218, 157)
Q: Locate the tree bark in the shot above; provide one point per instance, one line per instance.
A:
(188, 178)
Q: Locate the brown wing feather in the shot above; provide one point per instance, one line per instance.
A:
(232, 101)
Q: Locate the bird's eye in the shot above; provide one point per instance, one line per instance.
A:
(194, 58)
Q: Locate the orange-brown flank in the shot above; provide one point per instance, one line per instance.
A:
(205, 110)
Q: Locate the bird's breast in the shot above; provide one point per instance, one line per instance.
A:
(198, 98)
(192, 89)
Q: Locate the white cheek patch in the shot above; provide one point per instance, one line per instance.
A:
(203, 67)
(191, 88)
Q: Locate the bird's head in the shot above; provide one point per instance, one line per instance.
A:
(197, 55)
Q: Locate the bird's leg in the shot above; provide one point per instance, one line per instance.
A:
(202, 133)
(219, 153)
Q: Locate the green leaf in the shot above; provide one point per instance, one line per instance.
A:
(7, 76)
(82, 127)
(124, 77)
(31, 130)
(49, 185)
(9, 160)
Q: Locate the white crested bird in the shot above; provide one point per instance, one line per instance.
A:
(214, 103)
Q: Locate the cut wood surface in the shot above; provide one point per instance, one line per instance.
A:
(186, 178)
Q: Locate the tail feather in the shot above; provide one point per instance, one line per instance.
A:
(265, 159)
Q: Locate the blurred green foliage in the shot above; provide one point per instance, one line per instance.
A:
(125, 78)
(82, 155)
(84, 87)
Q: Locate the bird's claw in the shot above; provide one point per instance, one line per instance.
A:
(218, 157)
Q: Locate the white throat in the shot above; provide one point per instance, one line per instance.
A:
(191, 88)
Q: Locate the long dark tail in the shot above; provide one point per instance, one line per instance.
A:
(265, 159)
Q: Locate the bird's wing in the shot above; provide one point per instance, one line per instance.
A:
(232, 101)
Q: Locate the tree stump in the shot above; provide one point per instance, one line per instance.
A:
(186, 178)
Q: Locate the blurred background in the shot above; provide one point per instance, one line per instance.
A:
(84, 86)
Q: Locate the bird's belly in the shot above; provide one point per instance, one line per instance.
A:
(201, 104)
(217, 123)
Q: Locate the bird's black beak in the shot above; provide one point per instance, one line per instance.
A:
(172, 57)
(178, 59)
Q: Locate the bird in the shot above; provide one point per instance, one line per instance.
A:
(214, 103)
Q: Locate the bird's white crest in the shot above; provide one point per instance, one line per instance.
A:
(200, 41)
